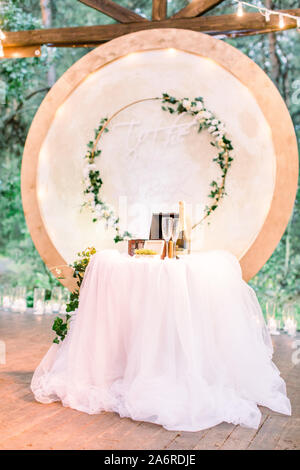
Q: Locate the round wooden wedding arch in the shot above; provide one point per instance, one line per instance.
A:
(244, 69)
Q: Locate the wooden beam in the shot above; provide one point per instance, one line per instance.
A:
(20, 52)
(115, 11)
(159, 10)
(249, 23)
(196, 7)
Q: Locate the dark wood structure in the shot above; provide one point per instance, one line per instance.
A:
(191, 17)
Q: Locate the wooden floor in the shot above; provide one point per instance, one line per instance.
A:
(26, 424)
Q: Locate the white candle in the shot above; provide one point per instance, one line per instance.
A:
(6, 302)
(291, 327)
(22, 305)
(272, 326)
(55, 307)
(63, 308)
(14, 306)
(48, 308)
(39, 308)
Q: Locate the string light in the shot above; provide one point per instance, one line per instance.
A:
(2, 36)
(240, 10)
(281, 22)
(267, 14)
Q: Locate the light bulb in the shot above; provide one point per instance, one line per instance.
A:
(281, 22)
(240, 10)
(2, 35)
(1, 50)
(298, 25)
(267, 16)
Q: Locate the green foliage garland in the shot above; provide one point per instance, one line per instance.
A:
(204, 118)
(92, 185)
(79, 266)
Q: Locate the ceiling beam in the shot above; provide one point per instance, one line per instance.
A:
(196, 8)
(82, 36)
(159, 10)
(114, 10)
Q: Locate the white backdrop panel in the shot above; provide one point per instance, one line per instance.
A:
(150, 159)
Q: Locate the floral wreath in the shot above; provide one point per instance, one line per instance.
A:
(205, 119)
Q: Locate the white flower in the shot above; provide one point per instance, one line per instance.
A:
(86, 181)
(87, 168)
(216, 134)
(86, 171)
(206, 114)
(106, 214)
(214, 122)
(92, 167)
(98, 209)
(89, 197)
(211, 129)
(187, 104)
(199, 105)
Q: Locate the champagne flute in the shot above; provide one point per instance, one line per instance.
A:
(175, 234)
(167, 226)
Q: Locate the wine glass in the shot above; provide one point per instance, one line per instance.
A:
(166, 227)
(175, 233)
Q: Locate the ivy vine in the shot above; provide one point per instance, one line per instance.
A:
(204, 118)
(60, 325)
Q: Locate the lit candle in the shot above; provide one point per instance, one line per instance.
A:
(63, 308)
(48, 307)
(14, 306)
(55, 307)
(22, 305)
(272, 326)
(6, 302)
(39, 308)
(291, 326)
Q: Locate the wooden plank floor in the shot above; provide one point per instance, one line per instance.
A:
(26, 424)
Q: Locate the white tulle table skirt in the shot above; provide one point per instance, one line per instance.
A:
(181, 343)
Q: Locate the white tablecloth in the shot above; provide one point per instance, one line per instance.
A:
(181, 343)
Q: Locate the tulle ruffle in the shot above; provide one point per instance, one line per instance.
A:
(178, 343)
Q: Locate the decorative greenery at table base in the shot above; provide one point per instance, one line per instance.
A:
(61, 326)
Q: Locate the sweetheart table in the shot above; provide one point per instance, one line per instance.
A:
(181, 343)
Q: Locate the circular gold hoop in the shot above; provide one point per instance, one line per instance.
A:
(226, 155)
